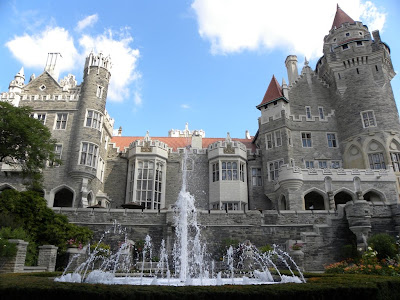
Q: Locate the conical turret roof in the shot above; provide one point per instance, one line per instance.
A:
(274, 92)
(340, 18)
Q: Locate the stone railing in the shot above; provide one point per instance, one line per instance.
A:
(16, 264)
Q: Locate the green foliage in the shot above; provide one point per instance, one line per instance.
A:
(384, 244)
(265, 248)
(7, 249)
(25, 142)
(350, 252)
(100, 249)
(42, 224)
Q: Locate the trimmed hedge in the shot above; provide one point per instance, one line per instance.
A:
(39, 286)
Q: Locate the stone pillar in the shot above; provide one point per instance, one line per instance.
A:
(358, 214)
(16, 264)
(297, 255)
(76, 257)
(47, 257)
(331, 200)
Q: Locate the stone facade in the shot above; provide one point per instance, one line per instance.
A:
(323, 167)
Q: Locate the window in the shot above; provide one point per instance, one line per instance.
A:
(306, 139)
(359, 43)
(57, 152)
(347, 33)
(323, 164)
(149, 179)
(278, 138)
(93, 119)
(289, 134)
(273, 167)
(309, 164)
(376, 161)
(368, 118)
(99, 91)
(215, 170)
(229, 171)
(42, 87)
(61, 121)
(230, 206)
(106, 142)
(395, 161)
(39, 116)
(88, 155)
(241, 171)
(100, 169)
(344, 47)
(269, 141)
(308, 112)
(331, 140)
(335, 164)
(256, 178)
(321, 111)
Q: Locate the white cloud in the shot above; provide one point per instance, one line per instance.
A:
(31, 50)
(299, 27)
(123, 59)
(86, 22)
(185, 106)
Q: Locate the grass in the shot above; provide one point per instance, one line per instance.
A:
(319, 286)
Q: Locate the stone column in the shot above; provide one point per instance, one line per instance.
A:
(16, 264)
(358, 214)
(47, 257)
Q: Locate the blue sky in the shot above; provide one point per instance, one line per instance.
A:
(205, 62)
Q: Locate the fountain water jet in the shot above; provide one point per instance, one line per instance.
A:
(189, 253)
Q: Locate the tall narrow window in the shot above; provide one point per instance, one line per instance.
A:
(395, 161)
(368, 118)
(323, 164)
(99, 91)
(88, 154)
(144, 190)
(215, 170)
(269, 140)
(335, 164)
(306, 139)
(241, 171)
(61, 121)
(256, 178)
(376, 161)
(158, 186)
(331, 140)
(308, 112)
(278, 138)
(321, 113)
(57, 152)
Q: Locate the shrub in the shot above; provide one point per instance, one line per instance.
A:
(7, 249)
(384, 244)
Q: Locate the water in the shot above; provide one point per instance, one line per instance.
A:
(243, 264)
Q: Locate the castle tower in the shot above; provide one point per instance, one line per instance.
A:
(291, 67)
(359, 68)
(16, 86)
(88, 152)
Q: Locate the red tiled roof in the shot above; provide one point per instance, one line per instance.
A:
(273, 92)
(340, 18)
(175, 142)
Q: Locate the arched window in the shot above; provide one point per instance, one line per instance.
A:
(314, 201)
(282, 203)
(63, 198)
(373, 196)
(342, 198)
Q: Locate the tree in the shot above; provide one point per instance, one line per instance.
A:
(25, 142)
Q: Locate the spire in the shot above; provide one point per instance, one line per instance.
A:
(340, 18)
(21, 72)
(274, 92)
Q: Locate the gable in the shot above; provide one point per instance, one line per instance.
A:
(44, 80)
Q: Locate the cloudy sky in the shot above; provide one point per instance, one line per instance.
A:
(205, 62)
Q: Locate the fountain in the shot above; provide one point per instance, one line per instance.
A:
(190, 264)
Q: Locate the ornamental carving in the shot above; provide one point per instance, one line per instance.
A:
(146, 147)
(229, 149)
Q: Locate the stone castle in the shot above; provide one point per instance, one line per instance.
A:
(323, 167)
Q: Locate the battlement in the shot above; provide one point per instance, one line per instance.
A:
(99, 61)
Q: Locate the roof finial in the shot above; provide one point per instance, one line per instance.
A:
(305, 61)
